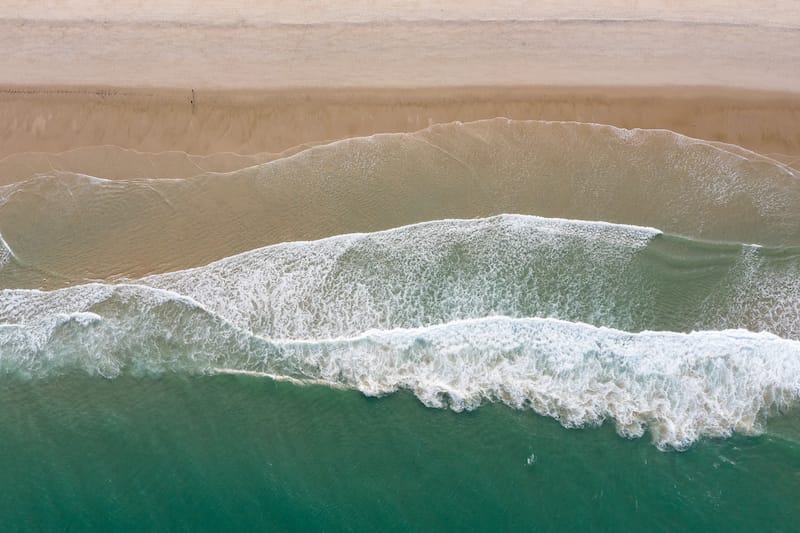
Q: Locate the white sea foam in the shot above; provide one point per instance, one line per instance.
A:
(109, 330)
(437, 272)
(420, 308)
(6, 254)
(421, 274)
(679, 386)
(757, 289)
(512, 265)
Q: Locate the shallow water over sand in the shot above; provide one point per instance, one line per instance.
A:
(64, 227)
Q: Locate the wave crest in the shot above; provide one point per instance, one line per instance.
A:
(680, 387)
(625, 277)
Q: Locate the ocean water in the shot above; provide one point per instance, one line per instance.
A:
(487, 326)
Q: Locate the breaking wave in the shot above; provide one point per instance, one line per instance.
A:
(626, 277)
(679, 386)
(458, 312)
(688, 331)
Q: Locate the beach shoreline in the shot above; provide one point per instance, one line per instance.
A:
(205, 121)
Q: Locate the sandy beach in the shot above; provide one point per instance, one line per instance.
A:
(253, 77)
(56, 119)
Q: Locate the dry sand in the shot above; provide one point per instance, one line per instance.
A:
(424, 53)
(763, 12)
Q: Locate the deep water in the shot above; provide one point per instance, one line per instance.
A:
(241, 453)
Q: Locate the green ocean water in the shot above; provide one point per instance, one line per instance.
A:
(236, 452)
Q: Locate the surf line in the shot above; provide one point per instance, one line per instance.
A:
(277, 377)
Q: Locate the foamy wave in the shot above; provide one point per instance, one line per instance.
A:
(437, 272)
(422, 274)
(605, 274)
(108, 330)
(680, 387)
(6, 253)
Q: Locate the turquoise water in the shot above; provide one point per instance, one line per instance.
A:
(236, 452)
(601, 339)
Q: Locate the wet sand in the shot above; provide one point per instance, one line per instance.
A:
(56, 119)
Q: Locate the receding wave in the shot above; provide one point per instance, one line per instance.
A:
(680, 387)
(626, 277)
(117, 163)
(79, 227)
